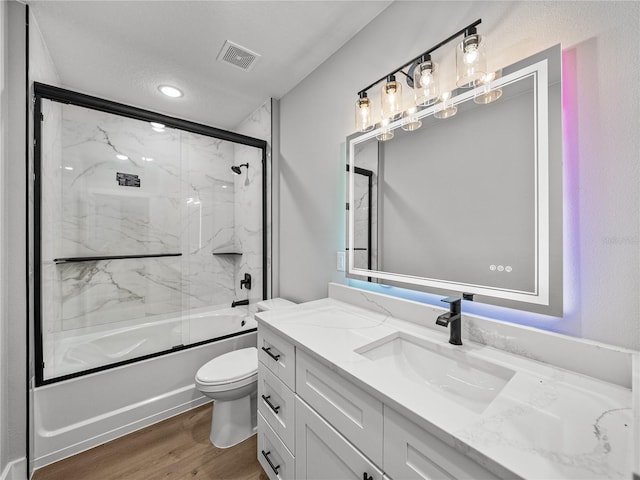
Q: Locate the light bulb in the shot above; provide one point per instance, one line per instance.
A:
(363, 113)
(471, 64)
(471, 54)
(426, 79)
(391, 98)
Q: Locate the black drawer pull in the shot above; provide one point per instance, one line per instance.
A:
(268, 352)
(366, 477)
(273, 467)
(271, 405)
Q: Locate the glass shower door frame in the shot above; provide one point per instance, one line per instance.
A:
(56, 94)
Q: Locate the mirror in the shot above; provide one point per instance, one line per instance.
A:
(471, 203)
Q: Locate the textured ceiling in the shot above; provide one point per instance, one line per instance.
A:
(122, 50)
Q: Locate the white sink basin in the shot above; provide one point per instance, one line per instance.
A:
(470, 382)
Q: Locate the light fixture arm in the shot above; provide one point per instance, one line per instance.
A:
(470, 27)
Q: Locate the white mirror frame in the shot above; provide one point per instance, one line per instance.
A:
(541, 293)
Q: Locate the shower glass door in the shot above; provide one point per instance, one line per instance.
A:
(135, 236)
(111, 250)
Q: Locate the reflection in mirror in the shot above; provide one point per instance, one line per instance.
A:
(471, 203)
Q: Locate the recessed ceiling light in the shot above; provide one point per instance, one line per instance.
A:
(170, 91)
(67, 167)
(122, 157)
(147, 159)
(155, 125)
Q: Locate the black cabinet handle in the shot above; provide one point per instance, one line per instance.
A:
(271, 405)
(273, 467)
(366, 477)
(268, 352)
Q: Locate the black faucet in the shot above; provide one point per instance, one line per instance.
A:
(246, 282)
(454, 318)
(239, 303)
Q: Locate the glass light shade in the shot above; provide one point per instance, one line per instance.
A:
(386, 133)
(409, 121)
(364, 121)
(391, 98)
(471, 62)
(426, 83)
(485, 93)
(445, 108)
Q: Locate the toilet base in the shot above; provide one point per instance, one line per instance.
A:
(233, 421)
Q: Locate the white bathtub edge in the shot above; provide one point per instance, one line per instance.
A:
(81, 413)
(120, 431)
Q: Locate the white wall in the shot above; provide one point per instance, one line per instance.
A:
(3, 242)
(602, 277)
(13, 239)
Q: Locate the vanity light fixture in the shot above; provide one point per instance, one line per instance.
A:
(422, 77)
(471, 64)
(170, 91)
(364, 121)
(391, 98)
(426, 82)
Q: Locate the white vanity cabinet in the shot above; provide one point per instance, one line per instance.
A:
(313, 423)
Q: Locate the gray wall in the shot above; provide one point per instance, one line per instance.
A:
(13, 237)
(601, 145)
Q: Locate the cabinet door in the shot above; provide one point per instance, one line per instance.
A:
(412, 453)
(353, 412)
(323, 454)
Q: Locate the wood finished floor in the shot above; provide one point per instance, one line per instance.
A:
(175, 449)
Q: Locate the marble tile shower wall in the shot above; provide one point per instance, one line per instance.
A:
(248, 205)
(184, 204)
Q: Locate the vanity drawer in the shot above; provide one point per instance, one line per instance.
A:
(354, 413)
(278, 355)
(276, 460)
(276, 403)
(413, 453)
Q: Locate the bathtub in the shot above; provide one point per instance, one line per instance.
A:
(80, 413)
(74, 353)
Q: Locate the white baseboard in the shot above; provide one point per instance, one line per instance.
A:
(16, 470)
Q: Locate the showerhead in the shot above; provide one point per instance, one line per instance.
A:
(236, 168)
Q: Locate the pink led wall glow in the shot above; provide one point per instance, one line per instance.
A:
(571, 245)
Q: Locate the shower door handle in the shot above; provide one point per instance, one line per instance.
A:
(273, 467)
(271, 405)
(268, 352)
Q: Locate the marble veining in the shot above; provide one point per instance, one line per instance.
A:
(188, 202)
(546, 422)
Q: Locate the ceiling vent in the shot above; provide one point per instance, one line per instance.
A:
(238, 56)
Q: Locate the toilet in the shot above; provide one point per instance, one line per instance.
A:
(231, 380)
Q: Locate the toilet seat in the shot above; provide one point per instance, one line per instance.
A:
(238, 367)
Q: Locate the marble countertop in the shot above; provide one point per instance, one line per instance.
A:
(546, 422)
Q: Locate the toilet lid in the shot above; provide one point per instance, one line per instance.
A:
(230, 367)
